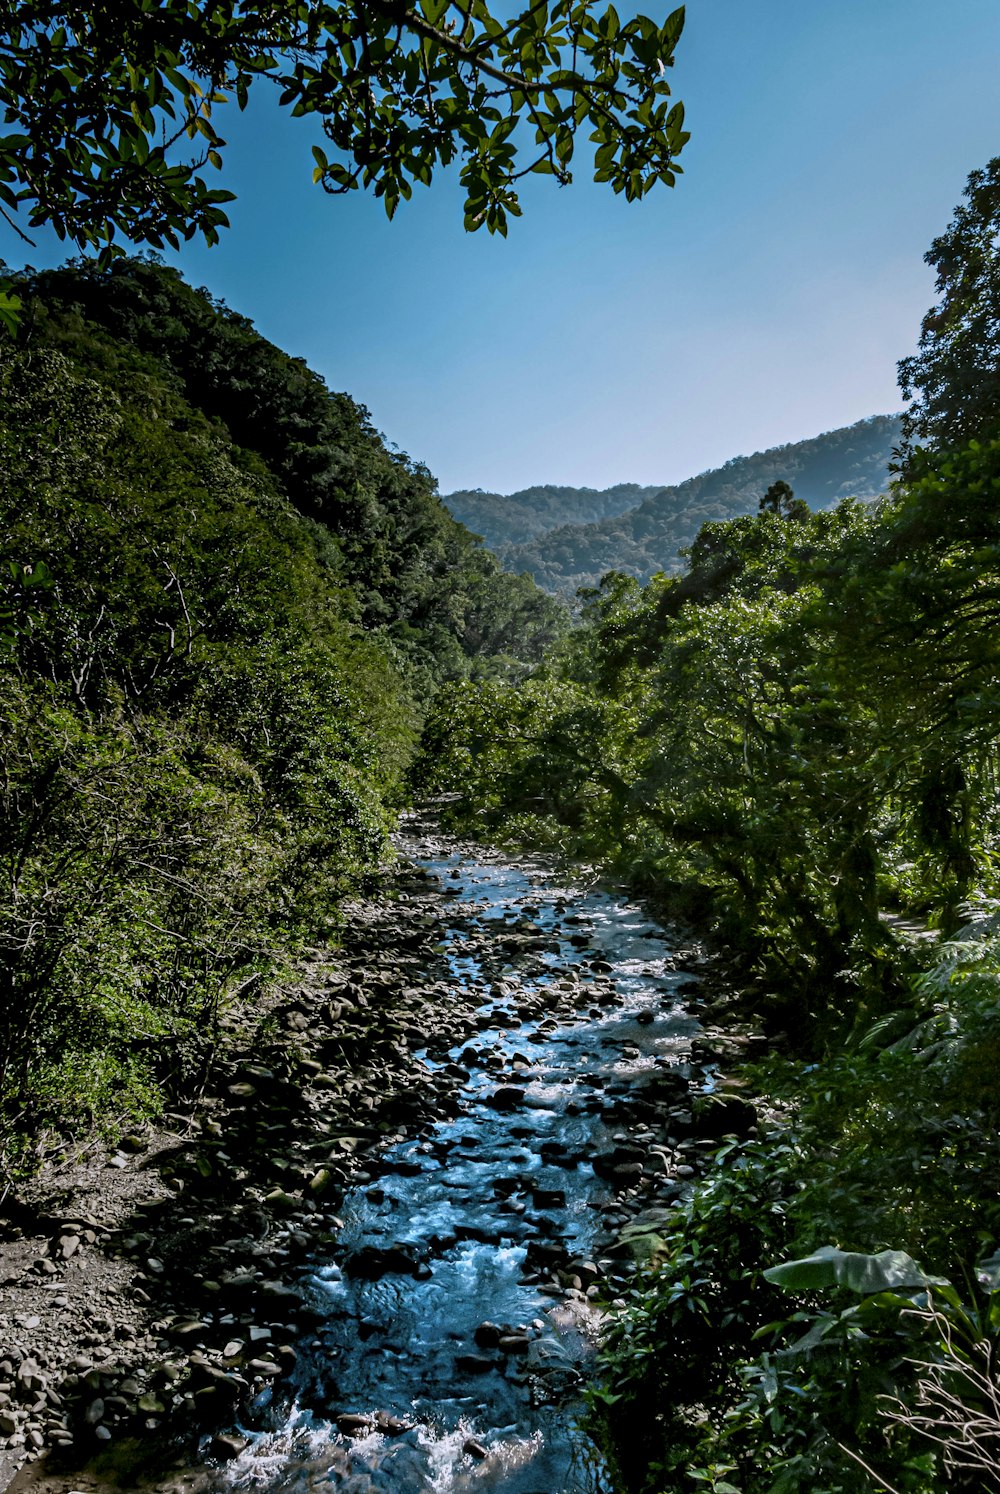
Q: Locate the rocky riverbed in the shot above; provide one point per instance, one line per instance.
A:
(377, 1252)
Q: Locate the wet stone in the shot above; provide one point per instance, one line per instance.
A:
(227, 1445)
(353, 1425)
(474, 1364)
(549, 1198)
(514, 1343)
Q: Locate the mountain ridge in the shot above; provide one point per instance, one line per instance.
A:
(505, 518)
(850, 461)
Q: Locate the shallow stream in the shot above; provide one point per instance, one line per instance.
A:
(482, 1205)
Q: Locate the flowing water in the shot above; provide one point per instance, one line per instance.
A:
(467, 1200)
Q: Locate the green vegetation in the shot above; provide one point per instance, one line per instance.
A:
(568, 538)
(223, 603)
(952, 379)
(110, 114)
(512, 519)
(796, 742)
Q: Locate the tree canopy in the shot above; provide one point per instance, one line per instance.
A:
(953, 379)
(224, 602)
(110, 112)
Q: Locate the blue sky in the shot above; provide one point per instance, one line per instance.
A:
(764, 299)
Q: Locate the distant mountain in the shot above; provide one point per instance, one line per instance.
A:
(646, 536)
(514, 518)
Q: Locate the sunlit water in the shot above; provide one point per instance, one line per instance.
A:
(463, 1196)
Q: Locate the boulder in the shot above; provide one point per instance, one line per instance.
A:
(403, 1258)
(507, 1097)
(514, 1343)
(226, 1445)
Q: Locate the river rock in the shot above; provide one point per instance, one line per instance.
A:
(507, 1097)
(587, 1271)
(351, 1424)
(514, 1343)
(549, 1198)
(372, 1261)
(391, 1426)
(621, 1167)
(278, 1292)
(474, 1364)
(227, 1445)
(543, 1255)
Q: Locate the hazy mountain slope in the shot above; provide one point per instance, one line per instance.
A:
(515, 518)
(851, 461)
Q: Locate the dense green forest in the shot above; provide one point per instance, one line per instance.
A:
(238, 632)
(794, 742)
(223, 604)
(513, 519)
(563, 554)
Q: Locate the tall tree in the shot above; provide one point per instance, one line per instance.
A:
(953, 380)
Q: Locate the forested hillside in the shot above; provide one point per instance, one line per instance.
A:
(512, 519)
(796, 742)
(646, 538)
(224, 603)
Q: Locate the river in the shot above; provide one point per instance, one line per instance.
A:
(471, 1364)
(447, 1332)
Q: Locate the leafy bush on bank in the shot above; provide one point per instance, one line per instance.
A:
(714, 1377)
(210, 682)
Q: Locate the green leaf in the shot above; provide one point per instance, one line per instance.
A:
(890, 1270)
(10, 313)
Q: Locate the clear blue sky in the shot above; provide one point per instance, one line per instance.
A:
(764, 299)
